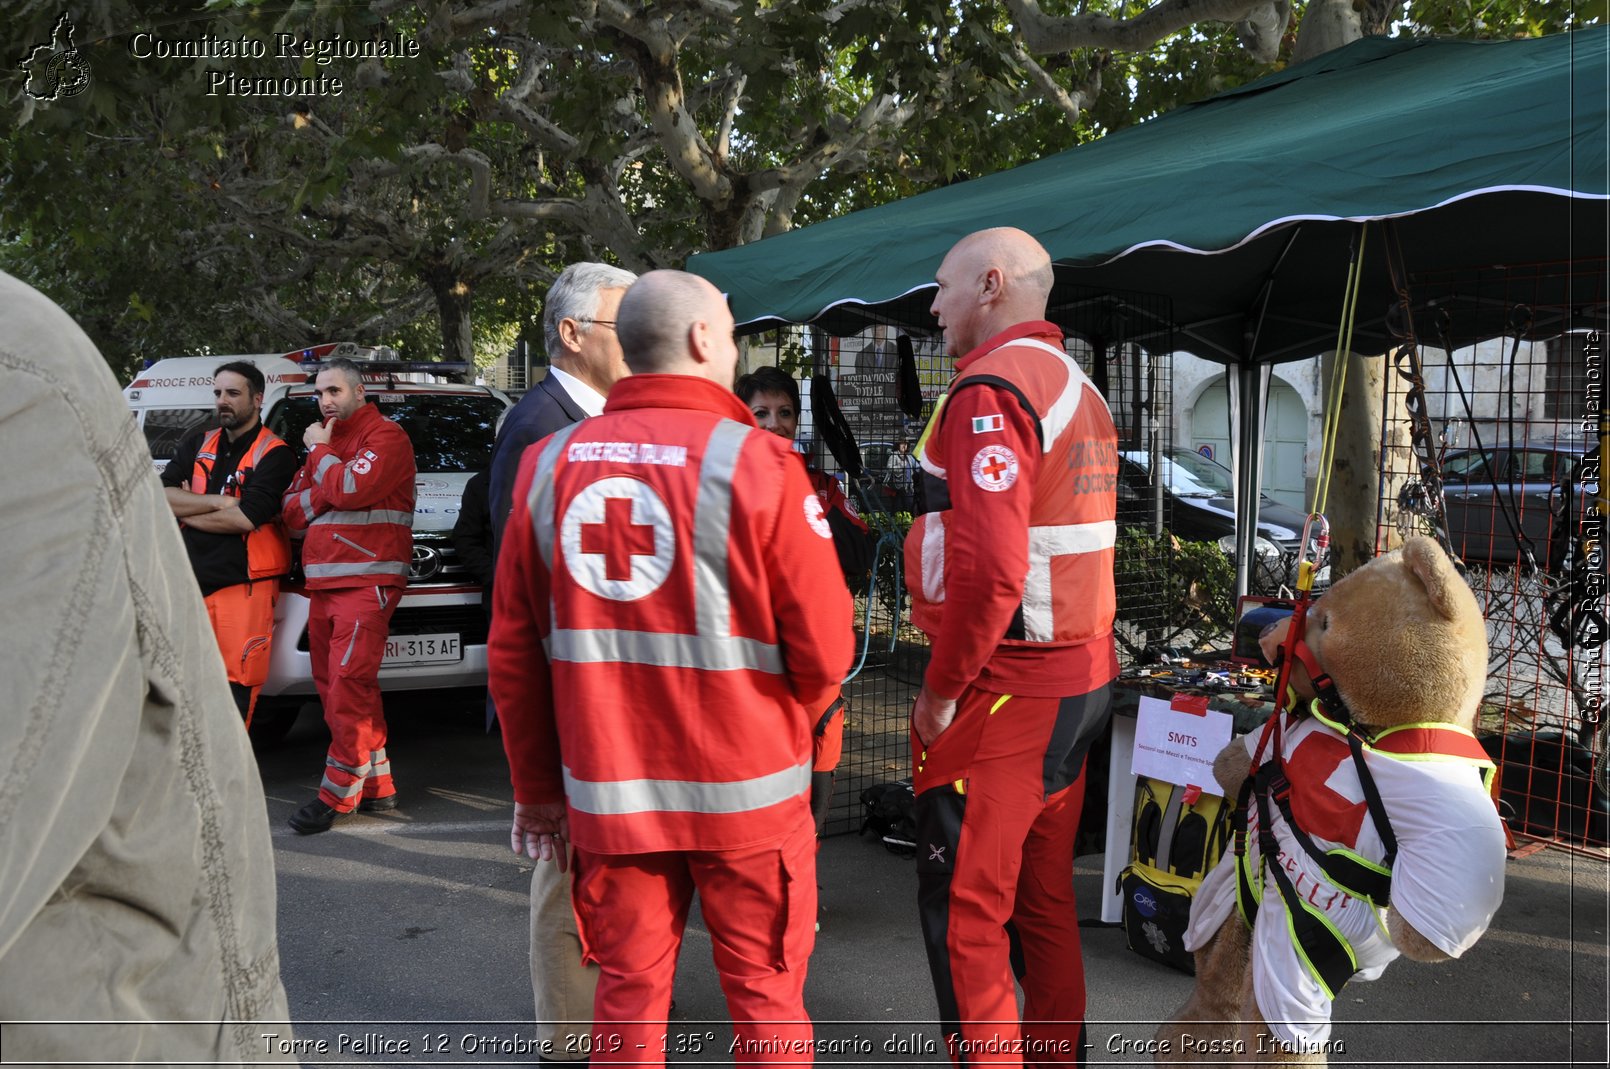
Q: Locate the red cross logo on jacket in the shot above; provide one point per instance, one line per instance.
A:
(617, 538)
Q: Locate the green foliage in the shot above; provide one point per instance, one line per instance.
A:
(1171, 591)
(167, 217)
(891, 527)
(1497, 19)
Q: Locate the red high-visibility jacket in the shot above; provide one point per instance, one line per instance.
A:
(1025, 448)
(667, 610)
(352, 504)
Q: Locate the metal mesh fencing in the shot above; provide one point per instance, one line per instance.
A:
(1122, 341)
(1514, 425)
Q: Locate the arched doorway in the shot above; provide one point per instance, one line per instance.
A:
(1285, 437)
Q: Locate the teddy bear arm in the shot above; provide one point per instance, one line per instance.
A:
(1230, 768)
(1410, 943)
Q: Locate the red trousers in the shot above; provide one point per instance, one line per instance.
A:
(346, 635)
(998, 802)
(759, 904)
(243, 623)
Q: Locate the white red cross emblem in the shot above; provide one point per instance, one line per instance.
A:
(618, 539)
(814, 515)
(995, 468)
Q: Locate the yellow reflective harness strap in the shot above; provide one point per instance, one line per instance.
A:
(1325, 953)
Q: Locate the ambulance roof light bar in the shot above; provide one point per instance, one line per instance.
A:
(381, 362)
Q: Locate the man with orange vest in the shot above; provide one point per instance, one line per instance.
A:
(661, 631)
(1013, 580)
(224, 486)
(352, 505)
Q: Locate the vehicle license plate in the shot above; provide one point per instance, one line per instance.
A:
(423, 649)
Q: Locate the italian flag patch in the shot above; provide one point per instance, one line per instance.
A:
(985, 424)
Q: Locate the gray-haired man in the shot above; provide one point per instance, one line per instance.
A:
(584, 361)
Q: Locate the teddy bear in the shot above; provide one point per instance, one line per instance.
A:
(1373, 767)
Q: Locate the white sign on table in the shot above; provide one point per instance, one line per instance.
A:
(1178, 745)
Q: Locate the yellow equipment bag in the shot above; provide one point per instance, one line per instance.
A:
(1174, 844)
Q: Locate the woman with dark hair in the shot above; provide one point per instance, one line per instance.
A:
(773, 399)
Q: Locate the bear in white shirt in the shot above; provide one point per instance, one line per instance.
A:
(1400, 647)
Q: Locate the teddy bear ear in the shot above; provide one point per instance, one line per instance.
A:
(1426, 559)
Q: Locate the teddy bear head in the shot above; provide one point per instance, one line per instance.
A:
(1402, 638)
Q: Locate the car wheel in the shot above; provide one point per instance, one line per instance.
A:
(272, 720)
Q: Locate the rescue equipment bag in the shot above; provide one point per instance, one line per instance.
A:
(889, 812)
(1173, 845)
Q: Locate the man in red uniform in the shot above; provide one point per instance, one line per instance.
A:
(1013, 580)
(660, 629)
(225, 485)
(353, 503)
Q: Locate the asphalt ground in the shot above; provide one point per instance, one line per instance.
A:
(403, 941)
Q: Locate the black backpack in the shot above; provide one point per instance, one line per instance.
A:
(888, 812)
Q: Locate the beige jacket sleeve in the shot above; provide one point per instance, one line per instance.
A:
(136, 871)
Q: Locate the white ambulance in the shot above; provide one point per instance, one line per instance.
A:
(438, 633)
(172, 397)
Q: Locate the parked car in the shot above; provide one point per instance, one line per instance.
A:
(1200, 508)
(439, 629)
(1496, 496)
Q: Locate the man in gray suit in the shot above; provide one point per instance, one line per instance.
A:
(584, 361)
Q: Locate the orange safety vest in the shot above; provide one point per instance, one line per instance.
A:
(1068, 595)
(268, 548)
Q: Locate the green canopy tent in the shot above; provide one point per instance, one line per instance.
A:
(1242, 210)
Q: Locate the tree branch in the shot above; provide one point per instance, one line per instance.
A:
(729, 115)
(514, 106)
(882, 114)
(685, 147)
(1044, 33)
(1071, 104)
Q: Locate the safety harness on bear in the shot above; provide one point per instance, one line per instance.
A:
(1323, 950)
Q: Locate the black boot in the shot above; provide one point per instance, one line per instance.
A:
(313, 818)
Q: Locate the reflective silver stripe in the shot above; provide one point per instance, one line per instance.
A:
(361, 770)
(539, 502)
(324, 465)
(351, 642)
(1061, 412)
(381, 763)
(305, 499)
(686, 796)
(933, 557)
(712, 518)
(374, 567)
(354, 545)
(349, 485)
(352, 791)
(723, 653)
(1045, 543)
(367, 516)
